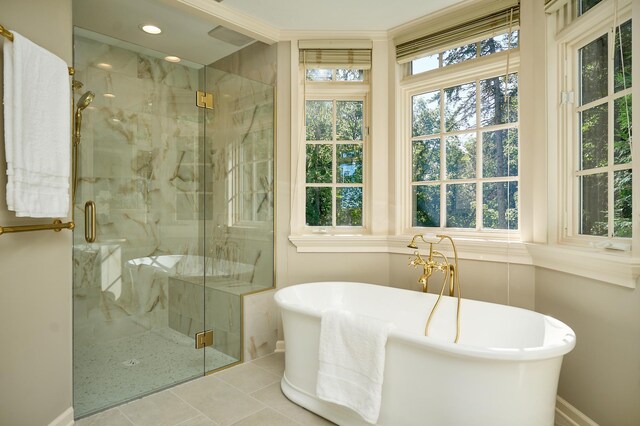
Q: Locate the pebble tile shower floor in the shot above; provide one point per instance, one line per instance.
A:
(106, 373)
(245, 395)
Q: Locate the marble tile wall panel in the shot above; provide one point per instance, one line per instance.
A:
(138, 162)
(218, 310)
(257, 61)
(261, 322)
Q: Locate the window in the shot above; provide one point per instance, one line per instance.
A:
(334, 161)
(336, 131)
(598, 102)
(464, 141)
(456, 55)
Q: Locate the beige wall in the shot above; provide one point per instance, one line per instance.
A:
(601, 376)
(35, 277)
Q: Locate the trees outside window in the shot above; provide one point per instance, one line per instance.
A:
(334, 138)
(464, 146)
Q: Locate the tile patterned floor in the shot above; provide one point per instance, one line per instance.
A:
(130, 366)
(245, 395)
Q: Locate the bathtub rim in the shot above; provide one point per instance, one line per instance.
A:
(562, 347)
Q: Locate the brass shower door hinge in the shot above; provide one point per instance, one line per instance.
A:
(204, 99)
(204, 339)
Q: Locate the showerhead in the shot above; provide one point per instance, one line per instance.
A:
(85, 100)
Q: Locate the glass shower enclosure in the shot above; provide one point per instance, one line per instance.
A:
(183, 202)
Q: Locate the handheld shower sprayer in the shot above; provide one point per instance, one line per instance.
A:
(83, 102)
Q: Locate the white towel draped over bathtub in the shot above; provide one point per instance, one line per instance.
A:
(351, 369)
(37, 123)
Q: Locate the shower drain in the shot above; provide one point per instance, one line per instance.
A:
(131, 362)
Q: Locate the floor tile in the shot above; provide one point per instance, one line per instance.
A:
(201, 420)
(273, 397)
(218, 400)
(273, 363)
(248, 378)
(113, 417)
(266, 417)
(160, 409)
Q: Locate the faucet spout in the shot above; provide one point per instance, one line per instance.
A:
(437, 261)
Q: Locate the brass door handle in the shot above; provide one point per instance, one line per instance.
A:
(90, 221)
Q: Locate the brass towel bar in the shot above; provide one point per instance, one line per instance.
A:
(57, 224)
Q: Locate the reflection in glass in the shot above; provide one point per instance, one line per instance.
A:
(585, 5)
(622, 197)
(593, 191)
(349, 120)
(425, 159)
(500, 205)
(459, 54)
(499, 43)
(319, 163)
(319, 120)
(461, 205)
(349, 206)
(461, 156)
(349, 163)
(593, 70)
(426, 114)
(622, 79)
(460, 107)
(426, 205)
(498, 102)
(319, 74)
(593, 137)
(427, 63)
(349, 75)
(500, 153)
(318, 206)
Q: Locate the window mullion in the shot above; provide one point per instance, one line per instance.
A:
(479, 212)
(443, 161)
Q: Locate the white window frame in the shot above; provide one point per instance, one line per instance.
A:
(341, 91)
(304, 237)
(580, 256)
(584, 29)
(451, 75)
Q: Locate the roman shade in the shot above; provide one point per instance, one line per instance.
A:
(474, 26)
(347, 54)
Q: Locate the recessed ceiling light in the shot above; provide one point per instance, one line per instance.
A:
(172, 59)
(150, 29)
(109, 95)
(104, 66)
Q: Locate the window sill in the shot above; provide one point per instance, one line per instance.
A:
(468, 248)
(611, 267)
(618, 268)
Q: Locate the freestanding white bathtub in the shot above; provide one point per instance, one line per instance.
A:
(503, 371)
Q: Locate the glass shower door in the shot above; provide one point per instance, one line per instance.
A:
(138, 290)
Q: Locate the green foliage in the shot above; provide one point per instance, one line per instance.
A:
(426, 202)
(319, 120)
(498, 105)
(349, 206)
(318, 206)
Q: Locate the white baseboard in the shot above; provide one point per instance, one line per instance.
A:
(568, 415)
(279, 346)
(64, 419)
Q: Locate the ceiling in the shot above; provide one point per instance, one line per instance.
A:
(186, 23)
(337, 15)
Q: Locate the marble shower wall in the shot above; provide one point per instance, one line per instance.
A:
(240, 149)
(240, 145)
(162, 173)
(140, 162)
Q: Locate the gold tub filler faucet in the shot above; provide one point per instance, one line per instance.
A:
(437, 261)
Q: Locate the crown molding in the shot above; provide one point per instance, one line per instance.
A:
(234, 20)
(333, 35)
